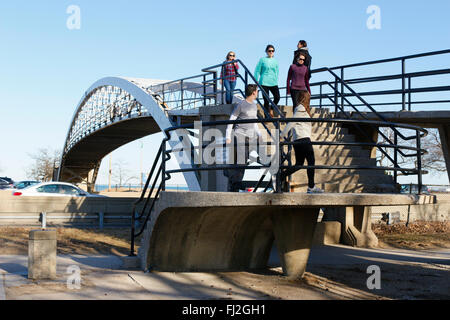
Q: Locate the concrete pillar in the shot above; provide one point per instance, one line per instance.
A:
(91, 178)
(42, 254)
(294, 230)
(444, 133)
(213, 180)
(356, 225)
(326, 233)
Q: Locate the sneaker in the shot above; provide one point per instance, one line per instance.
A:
(314, 190)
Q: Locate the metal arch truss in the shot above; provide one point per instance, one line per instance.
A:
(105, 106)
(112, 100)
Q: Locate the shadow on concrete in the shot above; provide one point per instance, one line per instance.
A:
(405, 274)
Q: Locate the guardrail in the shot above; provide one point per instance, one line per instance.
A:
(43, 219)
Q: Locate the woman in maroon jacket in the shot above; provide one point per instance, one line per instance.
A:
(298, 80)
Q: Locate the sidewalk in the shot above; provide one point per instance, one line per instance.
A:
(334, 272)
(103, 278)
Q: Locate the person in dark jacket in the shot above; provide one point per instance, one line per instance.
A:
(302, 48)
(298, 80)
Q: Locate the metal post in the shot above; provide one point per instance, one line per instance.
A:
(133, 228)
(335, 96)
(214, 73)
(342, 89)
(222, 81)
(395, 157)
(409, 93)
(43, 219)
(204, 89)
(403, 86)
(419, 162)
(163, 165)
(181, 94)
(278, 188)
(320, 96)
(101, 220)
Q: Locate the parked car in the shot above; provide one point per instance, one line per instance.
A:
(56, 189)
(6, 183)
(24, 184)
(413, 188)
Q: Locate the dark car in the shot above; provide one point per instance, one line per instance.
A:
(413, 188)
(6, 183)
(23, 184)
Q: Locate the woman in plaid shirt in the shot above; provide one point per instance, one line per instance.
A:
(229, 80)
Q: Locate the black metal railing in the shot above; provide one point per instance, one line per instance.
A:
(403, 90)
(159, 171)
(203, 90)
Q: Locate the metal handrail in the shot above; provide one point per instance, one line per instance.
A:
(420, 132)
(164, 155)
(161, 169)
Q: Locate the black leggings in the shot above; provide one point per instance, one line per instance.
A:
(303, 150)
(276, 96)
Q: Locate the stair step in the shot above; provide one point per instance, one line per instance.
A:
(347, 188)
(325, 130)
(340, 151)
(344, 161)
(301, 177)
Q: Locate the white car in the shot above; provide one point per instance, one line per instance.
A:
(54, 189)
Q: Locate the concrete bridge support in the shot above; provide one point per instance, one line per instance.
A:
(444, 133)
(356, 225)
(223, 231)
(294, 230)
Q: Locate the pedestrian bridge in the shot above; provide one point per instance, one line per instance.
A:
(235, 230)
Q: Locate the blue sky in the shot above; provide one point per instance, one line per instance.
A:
(45, 67)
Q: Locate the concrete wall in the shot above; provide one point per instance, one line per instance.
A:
(425, 212)
(68, 211)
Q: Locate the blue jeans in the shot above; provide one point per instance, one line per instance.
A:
(229, 86)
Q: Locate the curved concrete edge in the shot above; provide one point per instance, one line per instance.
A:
(191, 231)
(184, 239)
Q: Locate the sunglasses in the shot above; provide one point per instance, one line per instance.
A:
(270, 50)
(301, 59)
(231, 55)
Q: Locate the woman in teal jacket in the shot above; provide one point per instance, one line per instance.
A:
(266, 74)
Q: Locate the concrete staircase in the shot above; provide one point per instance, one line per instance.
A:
(339, 180)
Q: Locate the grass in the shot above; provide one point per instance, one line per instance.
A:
(14, 240)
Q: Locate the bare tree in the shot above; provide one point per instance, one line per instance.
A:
(120, 172)
(45, 161)
(432, 161)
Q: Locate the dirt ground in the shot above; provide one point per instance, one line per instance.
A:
(417, 236)
(419, 280)
(14, 240)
